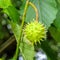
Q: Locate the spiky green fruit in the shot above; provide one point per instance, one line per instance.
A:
(35, 32)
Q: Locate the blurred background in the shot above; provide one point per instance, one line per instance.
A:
(50, 49)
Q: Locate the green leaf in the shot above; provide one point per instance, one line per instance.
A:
(27, 50)
(55, 33)
(58, 1)
(12, 13)
(16, 30)
(5, 3)
(47, 11)
(14, 16)
(10, 10)
(48, 50)
(57, 20)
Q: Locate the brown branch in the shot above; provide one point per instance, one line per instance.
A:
(7, 43)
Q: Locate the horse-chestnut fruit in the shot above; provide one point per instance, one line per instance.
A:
(35, 31)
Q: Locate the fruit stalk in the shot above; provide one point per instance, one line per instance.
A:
(34, 7)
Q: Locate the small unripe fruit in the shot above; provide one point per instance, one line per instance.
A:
(35, 32)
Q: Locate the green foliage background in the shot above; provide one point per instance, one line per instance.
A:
(11, 12)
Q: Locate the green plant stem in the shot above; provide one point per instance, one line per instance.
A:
(18, 43)
(36, 10)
